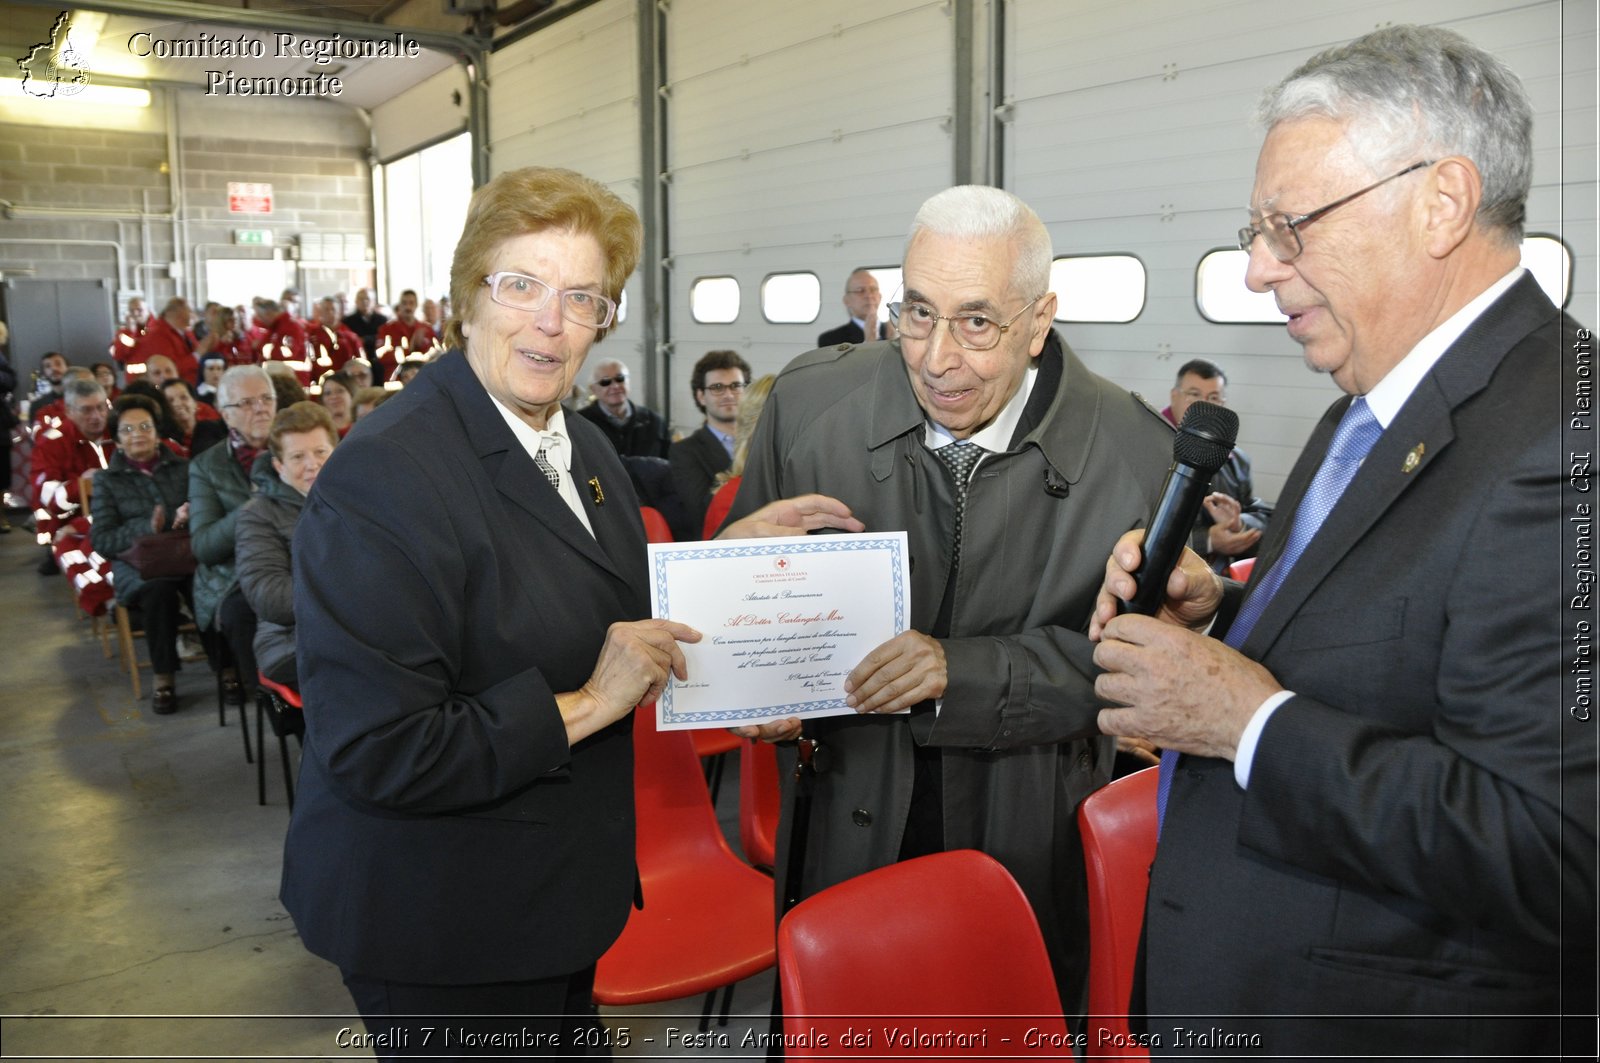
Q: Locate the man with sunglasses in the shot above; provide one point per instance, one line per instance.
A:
(1378, 815)
(1011, 467)
(635, 430)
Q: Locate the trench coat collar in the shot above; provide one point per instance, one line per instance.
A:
(1064, 433)
(510, 467)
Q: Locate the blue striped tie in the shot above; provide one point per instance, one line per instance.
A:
(1355, 436)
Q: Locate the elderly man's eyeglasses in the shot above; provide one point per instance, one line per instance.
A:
(975, 332)
(259, 402)
(1282, 233)
(522, 292)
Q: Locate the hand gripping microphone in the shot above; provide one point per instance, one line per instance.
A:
(1202, 445)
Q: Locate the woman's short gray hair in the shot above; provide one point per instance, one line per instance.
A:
(978, 212)
(230, 381)
(1409, 93)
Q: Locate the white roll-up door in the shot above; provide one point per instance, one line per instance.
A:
(569, 96)
(1135, 135)
(800, 137)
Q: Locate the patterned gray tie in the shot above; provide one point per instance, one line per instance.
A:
(543, 462)
(960, 457)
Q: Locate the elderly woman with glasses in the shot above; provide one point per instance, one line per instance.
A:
(471, 590)
(143, 490)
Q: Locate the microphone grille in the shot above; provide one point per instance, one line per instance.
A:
(1206, 436)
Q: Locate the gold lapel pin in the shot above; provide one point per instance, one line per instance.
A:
(1414, 458)
(596, 491)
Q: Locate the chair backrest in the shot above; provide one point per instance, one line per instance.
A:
(949, 938)
(86, 490)
(1241, 569)
(656, 528)
(1118, 826)
(721, 504)
(759, 801)
(677, 827)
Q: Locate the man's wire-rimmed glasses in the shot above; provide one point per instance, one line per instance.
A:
(1282, 232)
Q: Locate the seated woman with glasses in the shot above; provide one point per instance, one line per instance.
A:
(302, 438)
(143, 490)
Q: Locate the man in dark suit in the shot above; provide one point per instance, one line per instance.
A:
(1231, 522)
(861, 298)
(718, 382)
(1379, 837)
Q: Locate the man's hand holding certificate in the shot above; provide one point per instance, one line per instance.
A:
(785, 622)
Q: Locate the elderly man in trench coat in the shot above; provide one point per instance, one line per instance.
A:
(999, 745)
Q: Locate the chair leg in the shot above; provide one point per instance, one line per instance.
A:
(222, 703)
(288, 778)
(261, 762)
(727, 1004)
(714, 774)
(244, 728)
(705, 1012)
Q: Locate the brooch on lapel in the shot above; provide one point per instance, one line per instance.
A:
(1413, 459)
(596, 492)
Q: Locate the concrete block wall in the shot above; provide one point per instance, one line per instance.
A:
(314, 154)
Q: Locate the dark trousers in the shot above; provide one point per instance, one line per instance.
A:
(512, 1020)
(237, 622)
(158, 603)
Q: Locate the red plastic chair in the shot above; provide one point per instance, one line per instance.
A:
(1118, 826)
(759, 801)
(721, 504)
(1240, 570)
(949, 938)
(656, 528)
(282, 704)
(707, 919)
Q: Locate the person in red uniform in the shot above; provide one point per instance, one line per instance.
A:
(169, 335)
(63, 451)
(332, 343)
(406, 335)
(285, 339)
(224, 338)
(133, 326)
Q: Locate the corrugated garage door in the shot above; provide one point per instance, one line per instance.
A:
(800, 137)
(1137, 137)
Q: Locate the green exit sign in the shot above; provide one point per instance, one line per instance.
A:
(257, 237)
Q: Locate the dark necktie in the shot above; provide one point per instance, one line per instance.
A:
(1355, 436)
(960, 458)
(542, 460)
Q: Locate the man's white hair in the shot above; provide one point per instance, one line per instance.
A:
(980, 212)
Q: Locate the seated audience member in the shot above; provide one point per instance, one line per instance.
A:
(212, 366)
(301, 439)
(286, 384)
(369, 399)
(339, 399)
(408, 369)
(718, 382)
(224, 338)
(632, 428)
(219, 484)
(196, 425)
(144, 490)
(332, 342)
(755, 397)
(128, 333)
(284, 339)
(406, 335)
(1233, 518)
(63, 451)
(365, 321)
(169, 335)
(359, 370)
(158, 369)
(106, 375)
(47, 389)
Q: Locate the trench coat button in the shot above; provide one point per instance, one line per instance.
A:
(861, 817)
(1083, 760)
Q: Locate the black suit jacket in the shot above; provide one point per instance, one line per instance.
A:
(696, 459)
(849, 332)
(1403, 847)
(444, 594)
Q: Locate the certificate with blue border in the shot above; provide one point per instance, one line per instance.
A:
(783, 622)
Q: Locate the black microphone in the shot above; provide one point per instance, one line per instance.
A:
(1202, 445)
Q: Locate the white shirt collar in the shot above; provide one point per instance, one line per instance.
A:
(1390, 394)
(996, 438)
(560, 448)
